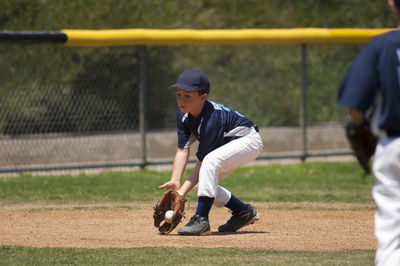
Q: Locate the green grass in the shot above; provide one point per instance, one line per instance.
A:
(307, 182)
(182, 256)
(304, 182)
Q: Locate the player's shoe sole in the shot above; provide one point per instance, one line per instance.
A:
(197, 226)
(239, 220)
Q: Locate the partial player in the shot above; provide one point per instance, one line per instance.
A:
(372, 86)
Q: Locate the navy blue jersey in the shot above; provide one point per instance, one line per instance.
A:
(215, 126)
(376, 69)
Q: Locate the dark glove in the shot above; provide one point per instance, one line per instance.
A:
(362, 142)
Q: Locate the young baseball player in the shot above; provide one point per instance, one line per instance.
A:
(227, 140)
(372, 84)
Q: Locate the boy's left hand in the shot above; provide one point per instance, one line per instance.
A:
(170, 185)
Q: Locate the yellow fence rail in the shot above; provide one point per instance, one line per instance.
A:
(122, 37)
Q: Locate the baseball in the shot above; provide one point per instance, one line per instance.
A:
(168, 216)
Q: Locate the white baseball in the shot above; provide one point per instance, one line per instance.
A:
(168, 216)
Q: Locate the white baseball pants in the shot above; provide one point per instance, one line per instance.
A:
(221, 162)
(386, 193)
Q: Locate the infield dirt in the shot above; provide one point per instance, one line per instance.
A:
(286, 227)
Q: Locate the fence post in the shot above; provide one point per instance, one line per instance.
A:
(142, 102)
(304, 99)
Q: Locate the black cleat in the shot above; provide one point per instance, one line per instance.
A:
(238, 220)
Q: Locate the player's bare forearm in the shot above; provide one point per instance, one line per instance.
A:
(191, 181)
(180, 162)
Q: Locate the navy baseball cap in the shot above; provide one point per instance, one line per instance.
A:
(192, 80)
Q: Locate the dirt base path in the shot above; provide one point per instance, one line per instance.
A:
(278, 229)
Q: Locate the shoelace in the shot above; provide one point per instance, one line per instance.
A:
(193, 219)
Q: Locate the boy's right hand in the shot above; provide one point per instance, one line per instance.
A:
(170, 185)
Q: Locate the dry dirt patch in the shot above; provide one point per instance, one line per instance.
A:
(288, 228)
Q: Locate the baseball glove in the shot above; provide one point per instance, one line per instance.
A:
(170, 200)
(362, 142)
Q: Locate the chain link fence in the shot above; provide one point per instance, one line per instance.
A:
(76, 108)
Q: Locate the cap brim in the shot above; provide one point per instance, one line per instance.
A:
(182, 87)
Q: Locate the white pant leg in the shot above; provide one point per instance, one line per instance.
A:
(223, 196)
(386, 193)
(221, 162)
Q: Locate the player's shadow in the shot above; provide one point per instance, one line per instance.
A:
(239, 233)
(224, 233)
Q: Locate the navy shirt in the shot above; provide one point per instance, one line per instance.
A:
(215, 126)
(377, 68)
